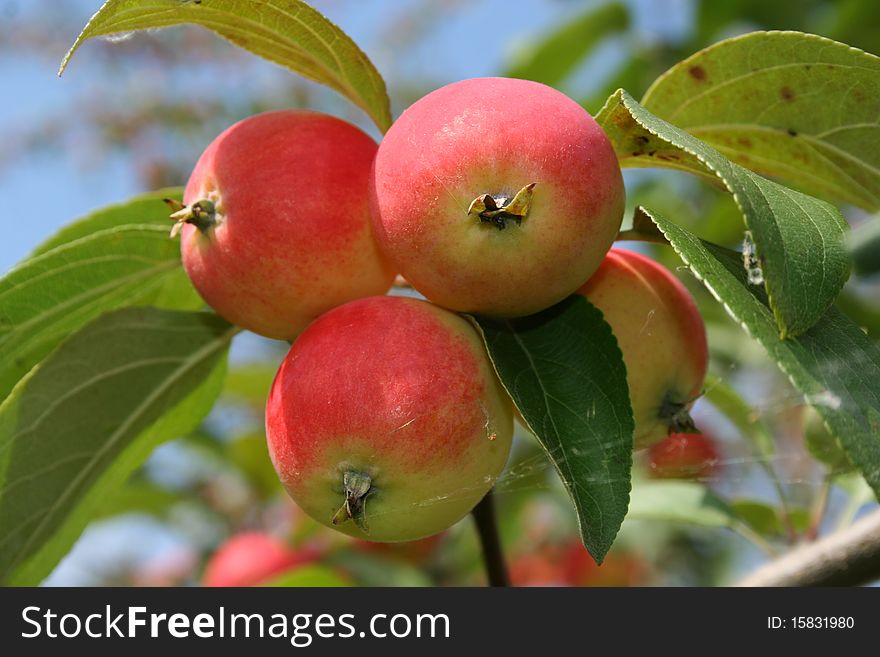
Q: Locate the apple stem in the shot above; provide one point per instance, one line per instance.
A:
(490, 541)
(201, 214)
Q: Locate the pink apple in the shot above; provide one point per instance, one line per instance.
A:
(276, 226)
(662, 337)
(496, 196)
(250, 558)
(386, 420)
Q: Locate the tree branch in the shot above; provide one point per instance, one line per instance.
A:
(845, 558)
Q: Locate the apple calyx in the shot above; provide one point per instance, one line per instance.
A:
(499, 210)
(202, 214)
(677, 415)
(356, 487)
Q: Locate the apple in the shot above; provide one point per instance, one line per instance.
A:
(275, 227)
(251, 558)
(541, 567)
(386, 420)
(496, 196)
(661, 335)
(683, 456)
(569, 564)
(619, 568)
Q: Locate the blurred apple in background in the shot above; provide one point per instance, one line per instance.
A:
(569, 564)
(684, 456)
(251, 558)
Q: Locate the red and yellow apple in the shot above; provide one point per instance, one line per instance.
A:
(386, 420)
(275, 227)
(496, 196)
(662, 337)
(250, 558)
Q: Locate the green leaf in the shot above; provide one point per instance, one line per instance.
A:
(859, 493)
(834, 365)
(287, 32)
(249, 384)
(741, 414)
(801, 519)
(680, 501)
(760, 516)
(713, 18)
(138, 497)
(137, 211)
(250, 455)
(862, 309)
(551, 60)
(310, 575)
(73, 430)
(796, 106)
(864, 246)
(565, 372)
(50, 296)
(689, 503)
(855, 486)
(822, 445)
(798, 242)
(377, 570)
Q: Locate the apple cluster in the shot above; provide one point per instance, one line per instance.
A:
(495, 197)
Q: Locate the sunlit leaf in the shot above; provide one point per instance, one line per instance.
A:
(680, 501)
(795, 106)
(74, 429)
(287, 32)
(795, 243)
(48, 297)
